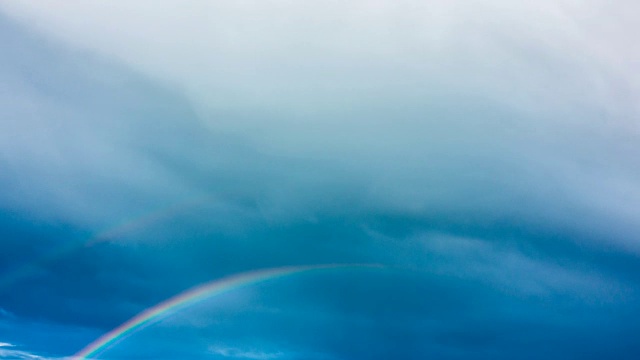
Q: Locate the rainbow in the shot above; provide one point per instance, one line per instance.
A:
(114, 232)
(192, 296)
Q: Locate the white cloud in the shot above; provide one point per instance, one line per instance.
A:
(263, 53)
(236, 353)
(433, 107)
(14, 354)
(7, 352)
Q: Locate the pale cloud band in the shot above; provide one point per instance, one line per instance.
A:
(428, 103)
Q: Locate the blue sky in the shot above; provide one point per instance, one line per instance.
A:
(485, 153)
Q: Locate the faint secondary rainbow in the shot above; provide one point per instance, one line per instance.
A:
(114, 232)
(195, 295)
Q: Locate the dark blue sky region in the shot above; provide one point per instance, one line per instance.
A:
(493, 173)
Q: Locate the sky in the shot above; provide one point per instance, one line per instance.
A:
(465, 173)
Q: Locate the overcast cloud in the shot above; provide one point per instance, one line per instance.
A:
(485, 152)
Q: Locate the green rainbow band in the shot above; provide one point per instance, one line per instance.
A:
(192, 296)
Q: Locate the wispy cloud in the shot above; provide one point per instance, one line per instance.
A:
(10, 351)
(237, 353)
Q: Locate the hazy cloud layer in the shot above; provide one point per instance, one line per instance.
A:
(484, 152)
(425, 107)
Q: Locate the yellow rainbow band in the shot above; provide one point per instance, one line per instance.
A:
(194, 295)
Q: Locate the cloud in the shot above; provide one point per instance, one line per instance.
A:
(484, 151)
(8, 351)
(29, 338)
(17, 354)
(235, 353)
(444, 112)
